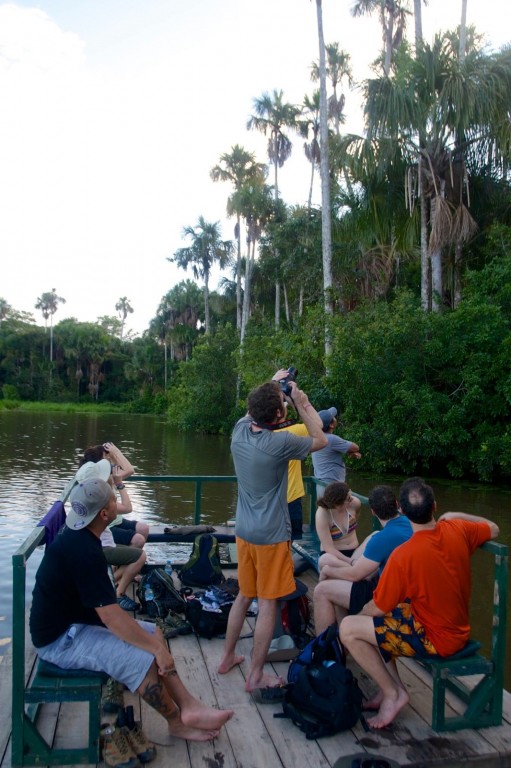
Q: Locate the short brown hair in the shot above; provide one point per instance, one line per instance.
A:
(264, 402)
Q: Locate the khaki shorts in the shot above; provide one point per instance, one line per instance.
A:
(121, 554)
(265, 570)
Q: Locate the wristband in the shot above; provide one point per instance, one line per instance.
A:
(120, 487)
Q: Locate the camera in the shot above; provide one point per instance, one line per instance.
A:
(284, 383)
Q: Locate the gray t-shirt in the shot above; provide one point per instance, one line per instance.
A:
(261, 462)
(328, 463)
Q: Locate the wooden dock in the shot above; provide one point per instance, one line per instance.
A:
(255, 739)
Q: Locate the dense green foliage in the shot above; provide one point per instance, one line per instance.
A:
(418, 391)
(418, 337)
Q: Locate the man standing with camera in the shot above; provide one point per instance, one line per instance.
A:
(261, 454)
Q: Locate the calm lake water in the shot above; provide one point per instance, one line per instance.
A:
(39, 455)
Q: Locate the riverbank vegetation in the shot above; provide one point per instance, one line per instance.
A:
(411, 339)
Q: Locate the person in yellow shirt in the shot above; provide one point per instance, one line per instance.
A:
(295, 488)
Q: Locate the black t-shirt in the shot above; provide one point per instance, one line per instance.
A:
(70, 583)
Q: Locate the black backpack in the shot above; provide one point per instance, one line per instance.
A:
(324, 700)
(166, 596)
(323, 648)
(213, 622)
(203, 567)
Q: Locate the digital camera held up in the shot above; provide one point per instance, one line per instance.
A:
(292, 373)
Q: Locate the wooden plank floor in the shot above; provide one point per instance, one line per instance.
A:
(255, 739)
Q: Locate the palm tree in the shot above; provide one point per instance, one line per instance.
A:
(338, 67)
(432, 102)
(206, 248)
(123, 307)
(257, 205)
(237, 167)
(393, 16)
(48, 304)
(326, 215)
(178, 319)
(5, 309)
(308, 124)
(272, 114)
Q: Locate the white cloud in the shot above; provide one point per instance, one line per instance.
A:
(113, 113)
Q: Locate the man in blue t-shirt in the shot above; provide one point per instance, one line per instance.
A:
(346, 586)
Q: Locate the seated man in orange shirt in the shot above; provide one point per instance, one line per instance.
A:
(421, 604)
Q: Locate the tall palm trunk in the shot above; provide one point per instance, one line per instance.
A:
(425, 263)
(246, 294)
(417, 15)
(326, 223)
(206, 300)
(238, 275)
(286, 304)
(389, 34)
(463, 31)
(309, 202)
(277, 281)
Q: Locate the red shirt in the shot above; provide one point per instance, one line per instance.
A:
(432, 570)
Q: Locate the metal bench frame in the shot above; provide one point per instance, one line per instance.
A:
(29, 747)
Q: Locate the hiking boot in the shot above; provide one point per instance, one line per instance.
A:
(140, 744)
(178, 625)
(113, 696)
(167, 631)
(116, 748)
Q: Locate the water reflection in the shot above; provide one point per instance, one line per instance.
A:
(39, 454)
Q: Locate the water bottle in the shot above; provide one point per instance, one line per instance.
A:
(148, 593)
(168, 568)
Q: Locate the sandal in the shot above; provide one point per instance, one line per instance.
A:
(127, 604)
(269, 695)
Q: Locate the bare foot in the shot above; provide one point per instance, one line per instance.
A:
(228, 662)
(389, 709)
(374, 703)
(180, 731)
(199, 715)
(264, 681)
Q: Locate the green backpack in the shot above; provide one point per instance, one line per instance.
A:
(203, 567)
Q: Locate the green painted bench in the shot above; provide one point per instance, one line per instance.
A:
(47, 684)
(483, 702)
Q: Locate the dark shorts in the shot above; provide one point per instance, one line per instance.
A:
(361, 593)
(399, 634)
(124, 532)
(296, 517)
(347, 552)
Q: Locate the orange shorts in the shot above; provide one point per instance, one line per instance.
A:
(265, 570)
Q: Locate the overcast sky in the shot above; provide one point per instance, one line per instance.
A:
(113, 112)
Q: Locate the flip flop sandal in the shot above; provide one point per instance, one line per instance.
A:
(127, 604)
(269, 695)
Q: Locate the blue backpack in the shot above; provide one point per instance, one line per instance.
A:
(325, 647)
(322, 696)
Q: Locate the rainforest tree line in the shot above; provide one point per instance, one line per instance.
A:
(410, 335)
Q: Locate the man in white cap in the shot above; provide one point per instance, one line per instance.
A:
(76, 622)
(329, 463)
